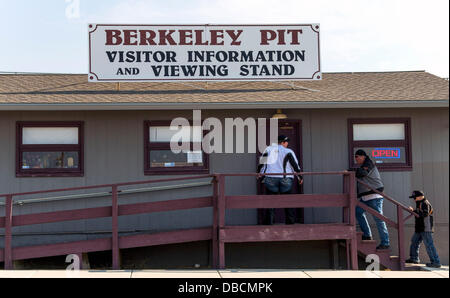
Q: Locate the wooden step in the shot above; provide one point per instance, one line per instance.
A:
(297, 232)
(359, 236)
(388, 250)
(368, 242)
(395, 265)
(367, 247)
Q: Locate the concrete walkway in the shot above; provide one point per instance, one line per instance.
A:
(238, 273)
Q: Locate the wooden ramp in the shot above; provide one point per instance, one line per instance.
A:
(218, 233)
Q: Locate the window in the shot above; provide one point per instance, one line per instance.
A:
(386, 141)
(49, 149)
(159, 158)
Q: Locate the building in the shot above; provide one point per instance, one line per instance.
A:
(111, 124)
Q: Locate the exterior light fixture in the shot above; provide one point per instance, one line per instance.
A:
(279, 115)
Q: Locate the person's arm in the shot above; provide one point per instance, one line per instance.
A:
(361, 172)
(261, 165)
(424, 210)
(293, 162)
(364, 169)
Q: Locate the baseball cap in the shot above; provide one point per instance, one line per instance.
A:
(361, 152)
(283, 138)
(416, 193)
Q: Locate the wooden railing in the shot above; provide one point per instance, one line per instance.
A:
(218, 232)
(115, 243)
(345, 230)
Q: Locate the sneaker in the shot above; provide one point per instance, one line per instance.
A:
(433, 265)
(383, 246)
(366, 238)
(411, 261)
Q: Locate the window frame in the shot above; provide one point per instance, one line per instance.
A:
(406, 143)
(148, 146)
(55, 172)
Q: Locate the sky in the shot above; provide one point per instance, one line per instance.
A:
(51, 36)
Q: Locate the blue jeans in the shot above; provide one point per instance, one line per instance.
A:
(376, 204)
(279, 186)
(427, 238)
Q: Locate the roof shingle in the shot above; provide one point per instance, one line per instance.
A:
(335, 87)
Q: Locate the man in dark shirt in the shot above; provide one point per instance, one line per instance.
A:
(423, 231)
(368, 173)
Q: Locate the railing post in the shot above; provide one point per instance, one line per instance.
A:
(221, 211)
(346, 190)
(215, 230)
(347, 250)
(115, 230)
(401, 244)
(352, 221)
(346, 215)
(8, 233)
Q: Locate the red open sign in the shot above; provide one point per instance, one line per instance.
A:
(386, 153)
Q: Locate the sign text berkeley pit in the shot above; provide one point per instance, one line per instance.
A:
(203, 52)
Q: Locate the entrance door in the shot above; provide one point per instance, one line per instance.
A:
(291, 129)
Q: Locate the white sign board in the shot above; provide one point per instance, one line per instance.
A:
(194, 157)
(203, 52)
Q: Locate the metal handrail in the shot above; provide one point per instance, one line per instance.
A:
(106, 185)
(106, 193)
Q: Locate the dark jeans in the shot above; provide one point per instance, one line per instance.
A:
(427, 238)
(278, 186)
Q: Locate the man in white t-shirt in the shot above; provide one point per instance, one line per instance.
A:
(277, 158)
